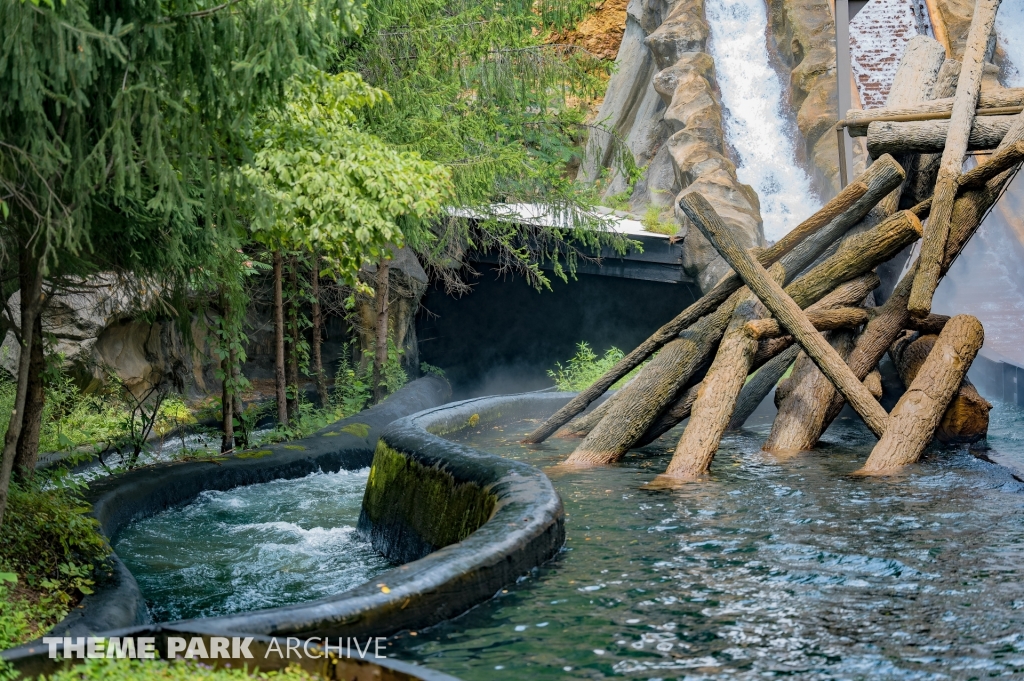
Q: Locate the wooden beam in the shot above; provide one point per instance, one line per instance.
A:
(786, 311)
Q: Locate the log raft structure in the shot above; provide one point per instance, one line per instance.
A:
(805, 303)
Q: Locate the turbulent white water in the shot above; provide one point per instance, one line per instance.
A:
(755, 126)
(1010, 29)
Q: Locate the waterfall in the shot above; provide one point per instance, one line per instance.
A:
(1010, 29)
(755, 125)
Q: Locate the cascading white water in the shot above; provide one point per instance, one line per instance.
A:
(755, 126)
(1010, 29)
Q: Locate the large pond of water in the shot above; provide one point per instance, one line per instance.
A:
(254, 547)
(770, 568)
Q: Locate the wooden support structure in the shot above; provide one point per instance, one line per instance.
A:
(799, 248)
(823, 320)
(918, 413)
(857, 120)
(965, 102)
(929, 137)
(758, 387)
(786, 311)
(966, 418)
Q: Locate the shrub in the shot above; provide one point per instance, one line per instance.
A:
(585, 367)
(146, 670)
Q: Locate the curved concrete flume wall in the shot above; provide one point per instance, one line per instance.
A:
(469, 522)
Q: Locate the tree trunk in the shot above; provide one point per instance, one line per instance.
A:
(966, 419)
(918, 413)
(31, 275)
(28, 442)
(933, 247)
(380, 355)
(292, 375)
(318, 331)
(758, 387)
(932, 324)
(929, 137)
(242, 439)
(796, 250)
(585, 422)
(787, 311)
(279, 378)
(716, 398)
(924, 168)
(227, 406)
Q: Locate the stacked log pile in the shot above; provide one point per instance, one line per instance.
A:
(806, 302)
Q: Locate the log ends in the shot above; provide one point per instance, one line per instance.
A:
(916, 417)
(966, 419)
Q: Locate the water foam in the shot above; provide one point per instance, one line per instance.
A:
(755, 126)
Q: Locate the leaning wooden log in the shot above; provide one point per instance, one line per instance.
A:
(654, 388)
(913, 83)
(857, 120)
(823, 320)
(786, 310)
(716, 398)
(929, 137)
(585, 422)
(854, 258)
(932, 324)
(760, 384)
(966, 418)
(933, 246)
(801, 393)
(918, 413)
(799, 248)
(1008, 156)
(893, 317)
(925, 167)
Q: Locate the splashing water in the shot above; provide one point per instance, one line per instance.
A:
(1010, 29)
(253, 547)
(754, 122)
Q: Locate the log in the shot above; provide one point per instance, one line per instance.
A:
(786, 310)
(932, 324)
(640, 402)
(929, 137)
(849, 292)
(823, 320)
(716, 399)
(1008, 156)
(890, 320)
(933, 246)
(585, 422)
(800, 394)
(913, 84)
(925, 167)
(760, 384)
(918, 413)
(965, 420)
(800, 248)
(857, 120)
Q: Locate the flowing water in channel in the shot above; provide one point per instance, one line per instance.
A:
(1010, 29)
(755, 126)
(768, 569)
(254, 547)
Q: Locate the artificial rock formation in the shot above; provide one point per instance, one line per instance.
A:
(662, 101)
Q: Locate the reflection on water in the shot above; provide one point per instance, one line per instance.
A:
(1009, 20)
(253, 547)
(767, 569)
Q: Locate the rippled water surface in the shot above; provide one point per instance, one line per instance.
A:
(767, 569)
(252, 547)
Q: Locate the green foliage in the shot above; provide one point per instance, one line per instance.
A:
(52, 547)
(158, 670)
(585, 367)
(431, 370)
(653, 222)
(327, 187)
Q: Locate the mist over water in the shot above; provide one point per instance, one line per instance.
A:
(1010, 29)
(755, 126)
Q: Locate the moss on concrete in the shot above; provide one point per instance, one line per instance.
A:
(403, 493)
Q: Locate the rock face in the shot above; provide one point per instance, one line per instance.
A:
(98, 329)
(804, 36)
(662, 103)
